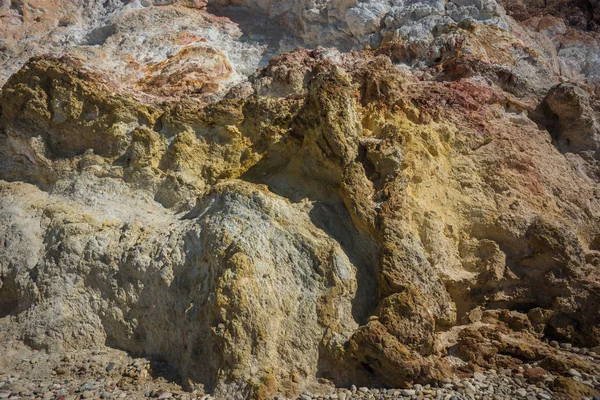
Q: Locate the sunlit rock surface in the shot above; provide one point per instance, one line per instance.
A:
(273, 196)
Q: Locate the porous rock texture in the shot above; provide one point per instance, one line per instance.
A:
(415, 200)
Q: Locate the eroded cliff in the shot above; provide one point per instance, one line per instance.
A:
(422, 207)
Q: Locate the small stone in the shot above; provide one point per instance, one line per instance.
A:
(122, 395)
(566, 346)
(363, 389)
(574, 372)
(163, 394)
(521, 393)
(469, 387)
(305, 397)
(408, 392)
(534, 374)
(86, 386)
(554, 344)
(88, 394)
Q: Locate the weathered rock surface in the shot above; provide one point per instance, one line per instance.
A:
(418, 209)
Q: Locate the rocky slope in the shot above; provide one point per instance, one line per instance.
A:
(411, 198)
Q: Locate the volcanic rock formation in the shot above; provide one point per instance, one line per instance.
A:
(416, 199)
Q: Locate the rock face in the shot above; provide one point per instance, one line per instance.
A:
(423, 206)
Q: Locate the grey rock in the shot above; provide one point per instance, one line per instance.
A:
(574, 373)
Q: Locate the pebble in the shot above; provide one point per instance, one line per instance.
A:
(522, 393)
(469, 387)
(478, 376)
(574, 372)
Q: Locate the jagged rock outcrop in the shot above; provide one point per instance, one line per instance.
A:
(577, 123)
(387, 216)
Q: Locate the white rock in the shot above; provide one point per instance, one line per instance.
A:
(574, 372)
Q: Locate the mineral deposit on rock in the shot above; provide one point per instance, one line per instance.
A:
(299, 199)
